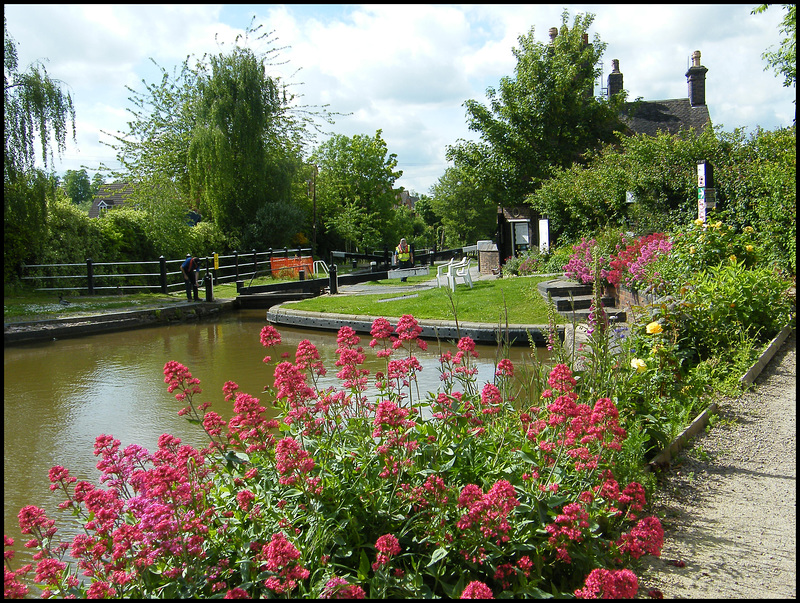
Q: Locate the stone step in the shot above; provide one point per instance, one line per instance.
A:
(561, 287)
(580, 302)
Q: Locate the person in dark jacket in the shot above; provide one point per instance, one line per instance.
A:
(190, 269)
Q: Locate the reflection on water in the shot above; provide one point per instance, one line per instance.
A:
(60, 395)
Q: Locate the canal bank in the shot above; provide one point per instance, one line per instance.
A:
(77, 326)
(284, 315)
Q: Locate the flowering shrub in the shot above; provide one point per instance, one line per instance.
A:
(469, 492)
(581, 265)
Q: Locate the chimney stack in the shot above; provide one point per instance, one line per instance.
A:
(614, 79)
(696, 78)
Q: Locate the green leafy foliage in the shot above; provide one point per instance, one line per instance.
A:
(355, 196)
(543, 118)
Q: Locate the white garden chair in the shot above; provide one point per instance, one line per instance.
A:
(460, 272)
(443, 273)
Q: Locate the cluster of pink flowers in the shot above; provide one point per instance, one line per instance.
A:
(292, 462)
(281, 558)
(160, 509)
(477, 590)
(645, 538)
(339, 588)
(609, 584)
(568, 527)
(581, 264)
(488, 513)
(178, 377)
(388, 547)
(628, 266)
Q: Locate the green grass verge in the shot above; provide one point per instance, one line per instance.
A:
(513, 300)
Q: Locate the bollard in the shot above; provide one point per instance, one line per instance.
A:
(209, 286)
(301, 274)
(334, 284)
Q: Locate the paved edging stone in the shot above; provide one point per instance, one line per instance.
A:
(663, 458)
(76, 326)
(483, 333)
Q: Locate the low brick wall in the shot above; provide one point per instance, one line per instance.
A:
(626, 298)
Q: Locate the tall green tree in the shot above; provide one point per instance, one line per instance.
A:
(246, 146)
(34, 107)
(355, 190)
(784, 60)
(465, 210)
(78, 186)
(543, 118)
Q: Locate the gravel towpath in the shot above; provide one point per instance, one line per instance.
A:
(728, 501)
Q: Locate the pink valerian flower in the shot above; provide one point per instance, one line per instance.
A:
(561, 378)
(408, 330)
(281, 558)
(350, 358)
(49, 571)
(244, 498)
(307, 357)
(477, 590)
(566, 528)
(249, 427)
(609, 584)
(178, 377)
(491, 399)
(488, 513)
(237, 593)
(229, 389)
(645, 538)
(634, 496)
(291, 461)
(387, 546)
(13, 587)
(101, 590)
(291, 384)
(505, 368)
(339, 588)
(381, 332)
(270, 336)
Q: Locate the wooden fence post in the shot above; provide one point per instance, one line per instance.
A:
(163, 277)
(90, 276)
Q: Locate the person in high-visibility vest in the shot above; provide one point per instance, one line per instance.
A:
(404, 257)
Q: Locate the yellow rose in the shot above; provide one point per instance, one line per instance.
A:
(699, 222)
(749, 229)
(718, 225)
(691, 249)
(749, 247)
(638, 364)
(732, 259)
(654, 328)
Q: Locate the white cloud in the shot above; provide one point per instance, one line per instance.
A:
(403, 69)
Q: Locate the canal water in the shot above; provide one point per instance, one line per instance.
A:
(60, 395)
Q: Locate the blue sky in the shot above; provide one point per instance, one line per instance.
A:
(403, 69)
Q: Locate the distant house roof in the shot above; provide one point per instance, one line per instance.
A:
(671, 115)
(110, 196)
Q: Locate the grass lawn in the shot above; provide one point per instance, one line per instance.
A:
(487, 302)
(513, 300)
